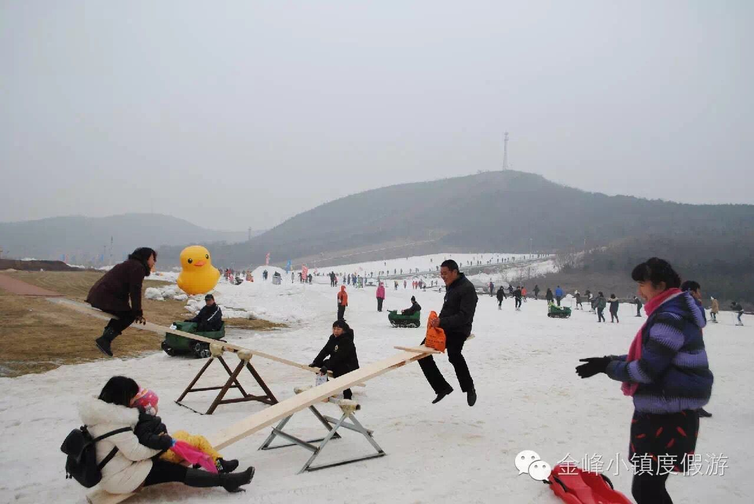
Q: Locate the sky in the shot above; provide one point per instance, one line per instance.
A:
(243, 114)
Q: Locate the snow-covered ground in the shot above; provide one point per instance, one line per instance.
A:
(425, 263)
(529, 398)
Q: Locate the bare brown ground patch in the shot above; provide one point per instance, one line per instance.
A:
(37, 335)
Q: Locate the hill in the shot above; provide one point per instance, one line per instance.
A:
(86, 239)
(495, 211)
(723, 266)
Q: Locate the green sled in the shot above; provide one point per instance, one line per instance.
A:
(178, 345)
(398, 320)
(554, 311)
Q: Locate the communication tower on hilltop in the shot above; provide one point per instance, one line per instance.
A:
(505, 152)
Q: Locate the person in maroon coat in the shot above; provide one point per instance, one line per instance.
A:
(111, 294)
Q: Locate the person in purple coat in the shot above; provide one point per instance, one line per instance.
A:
(667, 374)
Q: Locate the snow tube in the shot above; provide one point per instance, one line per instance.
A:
(575, 486)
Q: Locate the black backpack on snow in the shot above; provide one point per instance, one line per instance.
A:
(81, 463)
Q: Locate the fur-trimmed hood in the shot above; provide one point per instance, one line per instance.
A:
(94, 411)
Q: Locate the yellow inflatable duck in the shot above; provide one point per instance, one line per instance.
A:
(198, 275)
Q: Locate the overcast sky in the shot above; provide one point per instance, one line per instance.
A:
(237, 114)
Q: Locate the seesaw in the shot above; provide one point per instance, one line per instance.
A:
(217, 349)
(149, 326)
(285, 409)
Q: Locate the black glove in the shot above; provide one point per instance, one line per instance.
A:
(593, 366)
(166, 442)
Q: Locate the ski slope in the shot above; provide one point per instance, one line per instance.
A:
(529, 398)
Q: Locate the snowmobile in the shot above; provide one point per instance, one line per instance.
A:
(575, 486)
(177, 345)
(398, 320)
(554, 311)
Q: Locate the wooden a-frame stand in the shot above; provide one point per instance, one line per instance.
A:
(231, 383)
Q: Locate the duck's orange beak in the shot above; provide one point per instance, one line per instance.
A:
(199, 264)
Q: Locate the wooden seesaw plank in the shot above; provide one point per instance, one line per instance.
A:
(149, 326)
(277, 412)
(312, 396)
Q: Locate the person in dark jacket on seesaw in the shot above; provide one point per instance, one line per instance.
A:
(455, 319)
(339, 354)
(112, 292)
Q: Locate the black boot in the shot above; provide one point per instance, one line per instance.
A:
(442, 395)
(703, 413)
(103, 342)
(226, 466)
(230, 482)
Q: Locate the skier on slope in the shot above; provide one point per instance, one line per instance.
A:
(714, 309)
(736, 307)
(614, 304)
(500, 296)
(577, 295)
(517, 294)
(600, 304)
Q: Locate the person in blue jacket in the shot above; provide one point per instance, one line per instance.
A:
(558, 294)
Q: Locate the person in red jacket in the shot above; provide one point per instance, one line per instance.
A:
(342, 302)
(112, 292)
(380, 296)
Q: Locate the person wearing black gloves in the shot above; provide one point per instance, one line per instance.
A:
(210, 317)
(455, 319)
(667, 373)
(339, 354)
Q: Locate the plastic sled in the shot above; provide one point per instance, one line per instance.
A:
(575, 486)
(398, 320)
(177, 345)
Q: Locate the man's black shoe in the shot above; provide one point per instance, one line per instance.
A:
(471, 397)
(442, 395)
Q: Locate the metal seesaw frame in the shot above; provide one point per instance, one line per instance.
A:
(333, 425)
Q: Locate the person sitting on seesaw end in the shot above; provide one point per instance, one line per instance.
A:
(339, 353)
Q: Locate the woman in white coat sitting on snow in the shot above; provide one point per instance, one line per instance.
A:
(134, 465)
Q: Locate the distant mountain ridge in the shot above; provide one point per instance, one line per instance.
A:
(86, 239)
(506, 211)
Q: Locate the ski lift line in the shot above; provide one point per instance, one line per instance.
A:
(149, 326)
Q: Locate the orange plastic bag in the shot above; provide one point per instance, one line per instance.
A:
(435, 336)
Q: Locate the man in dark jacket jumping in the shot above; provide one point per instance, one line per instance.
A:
(112, 292)
(210, 317)
(455, 319)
